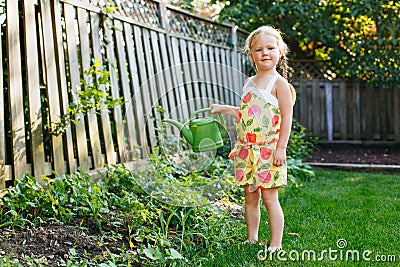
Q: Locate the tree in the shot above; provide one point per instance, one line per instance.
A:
(355, 39)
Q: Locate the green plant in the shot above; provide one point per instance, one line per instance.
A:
(9, 262)
(93, 97)
(298, 172)
(62, 199)
(301, 142)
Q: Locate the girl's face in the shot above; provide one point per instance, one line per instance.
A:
(264, 52)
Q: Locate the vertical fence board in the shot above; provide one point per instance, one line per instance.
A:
(195, 67)
(222, 81)
(105, 117)
(370, 115)
(363, 112)
(242, 78)
(32, 71)
(356, 111)
(130, 131)
(309, 96)
(225, 79)
(178, 78)
(208, 87)
(160, 73)
(329, 110)
(323, 108)
(136, 101)
(167, 73)
(236, 75)
(303, 103)
(315, 108)
(152, 89)
(61, 73)
(219, 81)
(383, 114)
(74, 69)
(187, 77)
(336, 111)
(112, 65)
(349, 107)
(2, 124)
(52, 84)
(390, 110)
(15, 90)
(230, 81)
(93, 128)
(201, 75)
(145, 86)
(210, 76)
(343, 111)
(396, 115)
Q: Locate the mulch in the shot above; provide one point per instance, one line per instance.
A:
(51, 243)
(355, 153)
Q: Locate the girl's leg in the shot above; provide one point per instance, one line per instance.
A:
(252, 212)
(275, 216)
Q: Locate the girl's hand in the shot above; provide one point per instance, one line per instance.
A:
(279, 157)
(216, 108)
(224, 109)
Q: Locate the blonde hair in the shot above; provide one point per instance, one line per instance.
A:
(283, 48)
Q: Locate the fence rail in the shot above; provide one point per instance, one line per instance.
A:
(156, 55)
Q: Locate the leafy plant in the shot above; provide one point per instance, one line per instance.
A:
(301, 142)
(94, 97)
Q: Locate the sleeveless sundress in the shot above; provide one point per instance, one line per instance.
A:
(257, 127)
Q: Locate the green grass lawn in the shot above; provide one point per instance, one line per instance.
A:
(360, 212)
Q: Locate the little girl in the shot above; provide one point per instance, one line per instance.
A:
(263, 124)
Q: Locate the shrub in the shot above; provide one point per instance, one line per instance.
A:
(301, 142)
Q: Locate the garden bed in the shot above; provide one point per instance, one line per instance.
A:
(356, 153)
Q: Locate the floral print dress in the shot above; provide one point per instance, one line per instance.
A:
(257, 127)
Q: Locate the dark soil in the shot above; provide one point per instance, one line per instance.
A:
(381, 154)
(50, 243)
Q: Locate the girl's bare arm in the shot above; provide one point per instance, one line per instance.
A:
(225, 109)
(284, 95)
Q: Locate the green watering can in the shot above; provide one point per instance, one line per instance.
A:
(204, 134)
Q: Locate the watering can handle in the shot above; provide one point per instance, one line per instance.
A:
(221, 118)
(199, 111)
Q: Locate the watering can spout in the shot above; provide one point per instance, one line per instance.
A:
(186, 133)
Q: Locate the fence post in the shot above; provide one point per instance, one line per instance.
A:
(2, 124)
(329, 111)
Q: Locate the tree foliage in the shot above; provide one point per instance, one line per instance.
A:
(355, 39)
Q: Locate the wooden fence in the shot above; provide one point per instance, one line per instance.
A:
(343, 110)
(156, 55)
